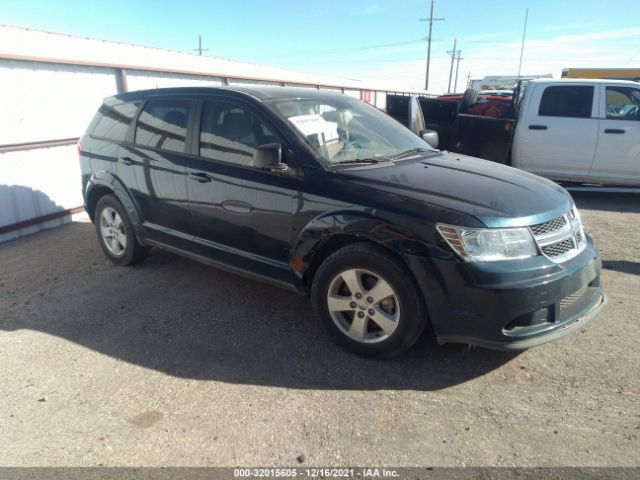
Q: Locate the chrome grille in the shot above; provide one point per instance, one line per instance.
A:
(550, 226)
(558, 248)
(569, 300)
(560, 238)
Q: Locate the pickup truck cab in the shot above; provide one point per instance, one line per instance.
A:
(322, 194)
(574, 131)
(580, 131)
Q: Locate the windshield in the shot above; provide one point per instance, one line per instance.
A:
(346, 130)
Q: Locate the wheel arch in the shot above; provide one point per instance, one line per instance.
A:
(325, 235)
(105, 183)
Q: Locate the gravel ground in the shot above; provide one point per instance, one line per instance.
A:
(176, 363)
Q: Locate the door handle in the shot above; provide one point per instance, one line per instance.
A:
(236, 206)
(200, 177)
(614, 130)
(126, 160)
(537, 127)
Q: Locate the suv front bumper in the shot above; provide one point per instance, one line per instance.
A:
(511, 305)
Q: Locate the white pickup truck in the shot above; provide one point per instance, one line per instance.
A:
(576, 131)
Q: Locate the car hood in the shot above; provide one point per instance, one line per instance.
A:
(495, 194)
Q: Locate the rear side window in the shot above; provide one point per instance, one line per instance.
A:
(163, 124)
(113, 121)
(573, 101)
(398, 108)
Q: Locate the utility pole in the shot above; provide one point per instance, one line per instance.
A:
(524, 34)
(430, 20)
(454, 54)
(200, 49)
(468, 80)
(455, 84)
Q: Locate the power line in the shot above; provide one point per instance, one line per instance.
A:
(632, 57)
(430, 20)
(200, 49)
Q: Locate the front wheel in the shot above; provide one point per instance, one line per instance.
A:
(368, 301)
(115, 233)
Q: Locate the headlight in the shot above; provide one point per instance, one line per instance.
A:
(489, 244)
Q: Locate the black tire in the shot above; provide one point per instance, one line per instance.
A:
(370, 257)
(133, 252)
(469, 98)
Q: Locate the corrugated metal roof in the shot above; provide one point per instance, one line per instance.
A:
(35, 45)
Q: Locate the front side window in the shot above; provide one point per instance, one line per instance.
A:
(231, 133)
(623, 103)
(163, 124)
(572, 101)
(343, 129)
(113, 120)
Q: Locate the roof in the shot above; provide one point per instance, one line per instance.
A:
(258, 92)
(589, 81)
(25, 44)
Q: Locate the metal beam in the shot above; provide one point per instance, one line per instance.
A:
(18, 147)
(38, 220)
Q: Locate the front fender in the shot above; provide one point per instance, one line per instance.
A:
(356, 224)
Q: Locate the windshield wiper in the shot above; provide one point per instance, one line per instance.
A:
(356, 161)
(406, 153)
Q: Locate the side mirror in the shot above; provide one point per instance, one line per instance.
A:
(269, 157)
(431, 137)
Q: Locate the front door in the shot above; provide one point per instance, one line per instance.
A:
(242, 215)
(618, 153)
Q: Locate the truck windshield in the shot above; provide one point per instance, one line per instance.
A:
(346, 130)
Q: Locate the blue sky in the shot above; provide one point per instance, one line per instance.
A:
(378, 40)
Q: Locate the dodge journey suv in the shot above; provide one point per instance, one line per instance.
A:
(325, 195)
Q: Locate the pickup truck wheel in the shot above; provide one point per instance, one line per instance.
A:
(115, 233)
(368, 301)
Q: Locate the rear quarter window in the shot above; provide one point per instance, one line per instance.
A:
(113, 121)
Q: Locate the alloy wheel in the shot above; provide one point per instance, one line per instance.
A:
(363, 305)
(113, 232)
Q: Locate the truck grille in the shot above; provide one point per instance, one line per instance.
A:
(555, 249)
(561, 238)
(550, 226)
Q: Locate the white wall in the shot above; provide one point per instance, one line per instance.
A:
(42, 101)
(38, 182)
(253, 82)
(139, 80)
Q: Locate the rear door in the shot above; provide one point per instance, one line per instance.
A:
(242, 216)
(618, 153)
(152, 165)
(557, 135)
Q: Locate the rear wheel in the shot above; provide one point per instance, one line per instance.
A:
(368, 301)
(115, 233)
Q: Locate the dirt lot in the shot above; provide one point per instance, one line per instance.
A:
(176, 363)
